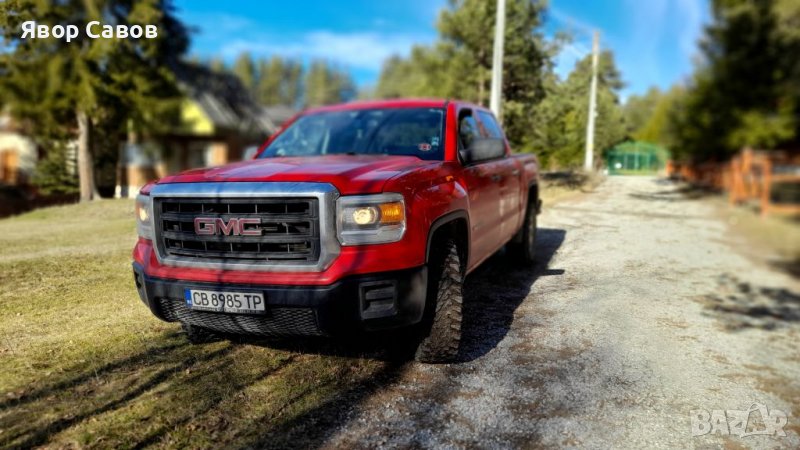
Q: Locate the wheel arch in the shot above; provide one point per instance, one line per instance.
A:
(455, 224)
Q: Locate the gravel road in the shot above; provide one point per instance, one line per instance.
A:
(640, 310)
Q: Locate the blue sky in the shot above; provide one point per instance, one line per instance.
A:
(654, 41)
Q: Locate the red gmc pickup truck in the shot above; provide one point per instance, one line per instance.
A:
(358, 217)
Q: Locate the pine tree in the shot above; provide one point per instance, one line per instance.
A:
(245, 69)
(217, 65)
(746, 89)
(639, 108)
(325, 84)
(270, 81)
(317, 84)
(292, 83)
(560, 120)
(459, 64)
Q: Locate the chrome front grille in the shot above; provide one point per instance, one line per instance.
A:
(287, 229)
(284, 226)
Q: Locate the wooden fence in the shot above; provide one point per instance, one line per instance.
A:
(752, 175)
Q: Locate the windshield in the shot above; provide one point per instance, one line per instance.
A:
(391, 131)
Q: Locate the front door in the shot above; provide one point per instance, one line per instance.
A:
(484, 194)
(507, 174)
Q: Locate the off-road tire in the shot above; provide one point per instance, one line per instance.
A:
(523, 246)
(446, 276)
(198, 335)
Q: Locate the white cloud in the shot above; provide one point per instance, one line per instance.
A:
(361, 50)
(647, 21)
(228, 35)
(218, 24)
(652, 40)
(571, 23)
(694, 14)
(580, 44)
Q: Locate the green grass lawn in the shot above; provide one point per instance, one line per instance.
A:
(84, 363)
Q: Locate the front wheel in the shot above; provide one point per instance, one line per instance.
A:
(445, 293)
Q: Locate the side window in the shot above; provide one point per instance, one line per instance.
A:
(490, 124)
(467, 129)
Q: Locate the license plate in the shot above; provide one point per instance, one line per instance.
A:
(225, 301)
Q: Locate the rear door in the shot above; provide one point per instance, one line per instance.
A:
(507, 175)
(484, 193)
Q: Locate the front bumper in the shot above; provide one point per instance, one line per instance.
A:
(357, 303)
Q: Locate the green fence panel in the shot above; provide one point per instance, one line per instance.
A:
(636, 158)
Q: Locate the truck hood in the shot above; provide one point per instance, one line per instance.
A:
(349, 174)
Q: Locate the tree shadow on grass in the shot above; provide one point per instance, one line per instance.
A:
(35, 393)
(39, 436)
(151, 396)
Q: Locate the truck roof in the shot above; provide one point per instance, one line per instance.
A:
(391, 103)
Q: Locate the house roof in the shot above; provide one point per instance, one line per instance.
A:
(278, 114)
(224, 100)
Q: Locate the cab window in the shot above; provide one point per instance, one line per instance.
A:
(467, 129)
(490, 125)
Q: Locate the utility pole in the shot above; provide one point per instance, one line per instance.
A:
(588, 163)
(497, 59)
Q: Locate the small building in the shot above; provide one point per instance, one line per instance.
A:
(636, 158)
(18, 154)
(220, 123)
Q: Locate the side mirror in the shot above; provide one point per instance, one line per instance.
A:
(483, 149)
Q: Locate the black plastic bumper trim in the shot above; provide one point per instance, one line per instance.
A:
(347, 305)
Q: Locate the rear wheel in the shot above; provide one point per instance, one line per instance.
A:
(444, 306)
(524, 243)
(198, 335)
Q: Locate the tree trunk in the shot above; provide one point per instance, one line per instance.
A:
(85, 162)
(481, 79)
(480, 86)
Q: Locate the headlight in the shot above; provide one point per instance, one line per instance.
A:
(144, 216)
(370, 219)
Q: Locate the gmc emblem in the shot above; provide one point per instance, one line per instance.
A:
(209, 226)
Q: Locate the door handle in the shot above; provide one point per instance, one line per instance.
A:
(515, 172)
(497, 177)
